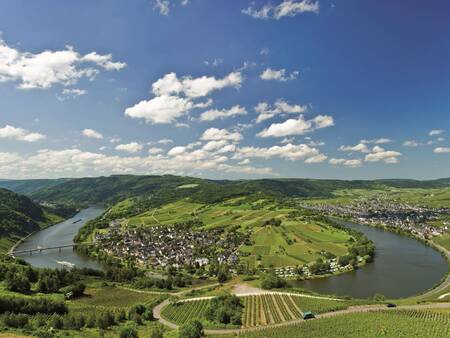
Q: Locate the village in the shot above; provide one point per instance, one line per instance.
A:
(379, 210)
(174, 245)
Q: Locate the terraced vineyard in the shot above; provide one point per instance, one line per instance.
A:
(182, 312)
(267, 309)
(399, 323)
(259, 310)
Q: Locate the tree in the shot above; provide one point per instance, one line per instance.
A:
(128, 332)
(193, 329)
(222, 276)
(156, 333)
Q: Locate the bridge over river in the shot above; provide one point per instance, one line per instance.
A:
(40, 250)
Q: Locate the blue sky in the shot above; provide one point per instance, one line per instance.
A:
(225, 89)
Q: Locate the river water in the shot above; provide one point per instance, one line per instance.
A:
(60, 234)
(403, 267)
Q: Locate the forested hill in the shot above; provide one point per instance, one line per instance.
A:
(19, 216)
(109, 190)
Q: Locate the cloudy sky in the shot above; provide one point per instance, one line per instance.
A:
(225, 89)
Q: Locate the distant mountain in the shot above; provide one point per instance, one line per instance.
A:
(19, 216)
(28, 186)
(109, 190)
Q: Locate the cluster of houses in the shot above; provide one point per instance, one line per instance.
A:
(174, 245)
(291, 272)
(380, 210)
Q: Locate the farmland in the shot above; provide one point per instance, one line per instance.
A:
(398, 323)
(292, 243)
(259, 310)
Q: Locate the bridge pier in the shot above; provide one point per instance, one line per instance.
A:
(31, 253)
(59, 249)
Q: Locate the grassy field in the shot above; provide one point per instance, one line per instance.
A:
(293, 243)
(443, 240)
(432, 324)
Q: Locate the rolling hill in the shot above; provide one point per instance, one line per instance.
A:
(112, 189)
(19, 216)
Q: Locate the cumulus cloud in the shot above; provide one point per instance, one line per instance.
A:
(45, 69)
(278, 75)
(297, 126)
(411, 143)
(175, 97)
(215, 134)
(214, 114)
(440, 150)
(289, 151)
(91, 133)
(435, 132)
(378, 154)
(287, 8)
(20, 134)
(345, 162)
(377, 141)
(163, 6)
(360, 147)
(77, 163)
(279, 107)
(161, 109)
(170, 84)
(132, 147)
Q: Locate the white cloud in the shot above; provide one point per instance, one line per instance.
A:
(440, 150)
(214, 114)
(214, 63)
(347, 163)
(264, 51)
(280, 107)
(360, 147)
(77, 163)
(215, 145)
(278, 75)
(411, 143)
(376, 141)
(435, 132)
(91, 133)
(160, 109)
(297, 126)
(47, 68)
(20, 134)
(175, 97)
(71, 93)
(175, 151)
(289, 151)
(165, 141)
(195, 87)
(162, 6)
(132, 147)
(379, 154)
(215, 134)
(287, 8)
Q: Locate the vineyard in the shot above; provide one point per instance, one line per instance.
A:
(182, 312)
(399, 323)
(267, 309)
(259, 310)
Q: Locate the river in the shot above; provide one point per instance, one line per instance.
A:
(60, 234)
(403, 267)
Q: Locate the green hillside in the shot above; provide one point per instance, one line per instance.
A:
(19, 216)
(112, 189)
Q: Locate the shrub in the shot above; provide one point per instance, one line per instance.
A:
(128, 332)
(193, 329)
